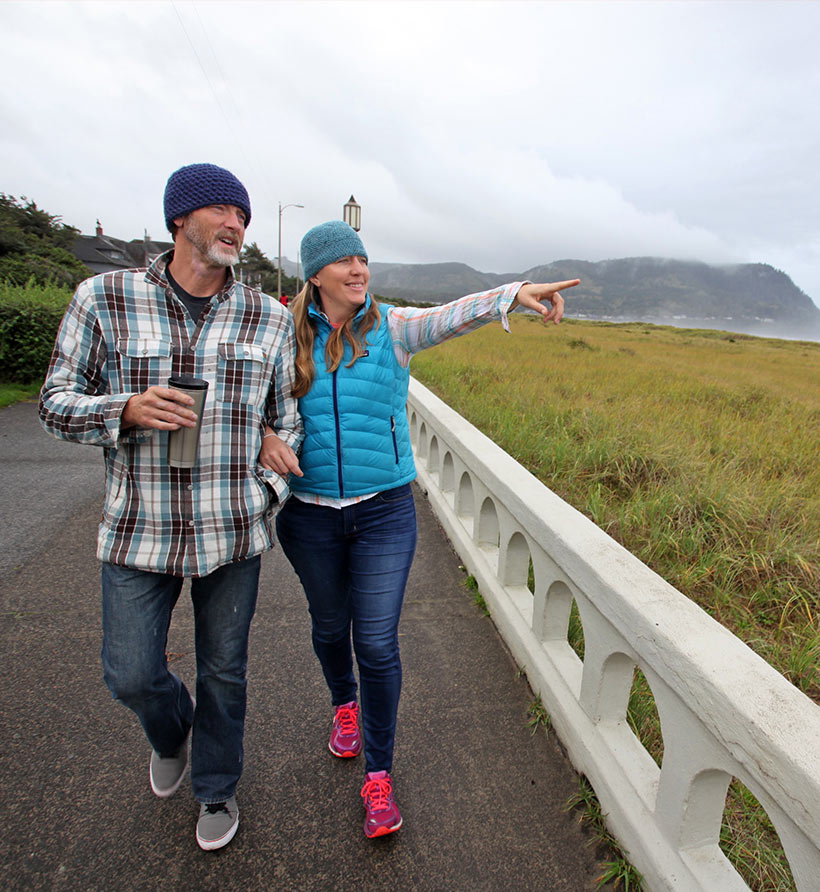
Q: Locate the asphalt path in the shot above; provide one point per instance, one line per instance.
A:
(43, 481)
(483, 799)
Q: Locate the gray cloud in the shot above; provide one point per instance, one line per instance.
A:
(502, 135)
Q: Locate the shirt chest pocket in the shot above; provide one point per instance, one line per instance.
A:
(242, 373)
(143, 362)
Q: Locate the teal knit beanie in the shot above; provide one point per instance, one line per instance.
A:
(327, 243)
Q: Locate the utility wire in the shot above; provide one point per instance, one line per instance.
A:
(259, 174)
(199, 62)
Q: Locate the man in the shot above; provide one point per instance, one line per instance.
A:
(124, 334)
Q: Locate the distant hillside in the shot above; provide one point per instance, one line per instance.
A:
(431, 282)
(752, 297)
(289, 268)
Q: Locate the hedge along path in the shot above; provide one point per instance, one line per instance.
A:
(29, 318)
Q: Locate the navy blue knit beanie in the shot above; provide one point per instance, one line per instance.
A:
(199, 185)
(327, 243)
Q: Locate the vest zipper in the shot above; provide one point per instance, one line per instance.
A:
(393, 431)
(338, 437)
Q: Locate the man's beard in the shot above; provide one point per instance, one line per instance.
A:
(213, 250)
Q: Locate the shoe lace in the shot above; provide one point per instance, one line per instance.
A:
(213, 807)
(377, 794)
(347, 719)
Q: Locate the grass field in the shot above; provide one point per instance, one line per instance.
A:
(699, 451)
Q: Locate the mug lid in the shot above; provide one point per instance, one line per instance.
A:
(188, 382)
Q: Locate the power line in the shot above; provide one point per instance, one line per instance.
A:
(199, 62)
(259, 173)
(230, 124)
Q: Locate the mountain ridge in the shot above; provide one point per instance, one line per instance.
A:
(754, 297)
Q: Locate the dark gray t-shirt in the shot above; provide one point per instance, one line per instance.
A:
(194, 305)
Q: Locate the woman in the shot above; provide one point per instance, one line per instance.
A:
(350, 529)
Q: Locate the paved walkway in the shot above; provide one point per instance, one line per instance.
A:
(482, 797)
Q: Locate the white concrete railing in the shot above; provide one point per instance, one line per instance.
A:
(724, 712)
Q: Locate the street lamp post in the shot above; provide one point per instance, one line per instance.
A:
(352, 214)
(279, 259)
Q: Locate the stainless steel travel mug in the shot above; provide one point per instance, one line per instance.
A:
(183, 444)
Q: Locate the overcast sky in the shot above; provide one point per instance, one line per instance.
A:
(502, 135)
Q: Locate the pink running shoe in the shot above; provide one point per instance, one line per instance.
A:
(345, 739)
(382, 813)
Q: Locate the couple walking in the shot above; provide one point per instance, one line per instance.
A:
(304, 429)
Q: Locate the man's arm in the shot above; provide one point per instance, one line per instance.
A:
(76, 402)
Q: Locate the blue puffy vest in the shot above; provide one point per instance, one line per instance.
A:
(356, 436)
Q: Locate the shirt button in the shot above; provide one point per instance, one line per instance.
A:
(190, 523)
(190, 487)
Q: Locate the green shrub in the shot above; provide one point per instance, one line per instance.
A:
(29, 318)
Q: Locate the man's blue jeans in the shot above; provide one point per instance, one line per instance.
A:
(137, 607)
(353, 564)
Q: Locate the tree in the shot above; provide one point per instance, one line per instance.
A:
(36, 245)
(260, 272)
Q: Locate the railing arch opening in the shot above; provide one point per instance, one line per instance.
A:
(489, 532)
(704, 805)
(610, 686)
(465, 501)
(552, 611)
(556, 618)
(413, 425)
(768, 864)
(642, 715)
(448, 473)
(517, 562)
(575, 631)
(421, 441)
(432, 457)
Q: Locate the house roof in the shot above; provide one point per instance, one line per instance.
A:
(103, 253)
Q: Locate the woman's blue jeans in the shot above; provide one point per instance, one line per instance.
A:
(136, 609)
(353, 564)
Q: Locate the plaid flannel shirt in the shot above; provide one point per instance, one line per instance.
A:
(125, 331)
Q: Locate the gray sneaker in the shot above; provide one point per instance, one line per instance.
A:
(167, 773)
(217, 824)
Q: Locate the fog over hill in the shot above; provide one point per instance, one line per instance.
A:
(754, 297)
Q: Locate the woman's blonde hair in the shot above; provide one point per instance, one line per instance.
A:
(356, 336)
